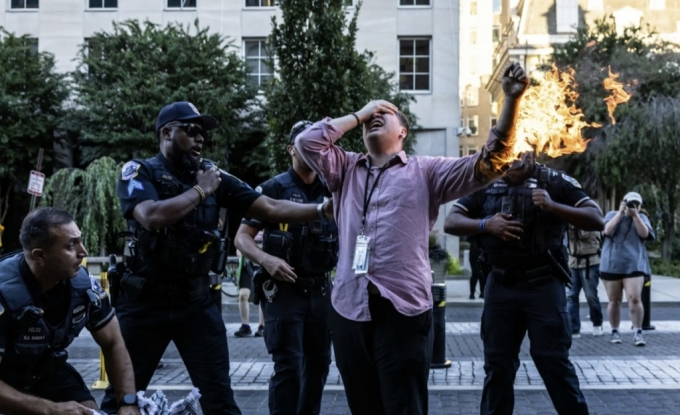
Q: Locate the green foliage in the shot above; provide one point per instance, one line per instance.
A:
(125, 77)
(90, 196)
(453, 267)
(320, 74)
(666, 268)
(31, 97)
(647, 66)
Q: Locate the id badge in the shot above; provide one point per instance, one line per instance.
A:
(361, 253)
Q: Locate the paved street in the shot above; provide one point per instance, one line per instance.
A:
(617, 379)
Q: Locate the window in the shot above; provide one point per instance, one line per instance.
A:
(414, 64)
(472, 96)
(103, 4)
(567, 16)
(414, 2)
(496, 6)
(33, 44)
(259, 3)
(657, 4)
(256, 60)
(495, 34)
(473, 124)
(460, 151)
(181, 4)
(473, 8)
(24, 4)
(472, 150)
(349, 3)
(473, 37)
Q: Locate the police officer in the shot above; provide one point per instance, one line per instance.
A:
(520, 220)
(297, 289)
(46, 299)
(171, 202)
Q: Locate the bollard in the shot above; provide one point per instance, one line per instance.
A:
(439, 360)
(103, 381)
(647, 303)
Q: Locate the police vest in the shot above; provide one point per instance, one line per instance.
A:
(187, 248)
(542, 231)
(33, 341)
(313, 245)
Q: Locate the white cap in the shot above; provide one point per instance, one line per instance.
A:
(633, 197)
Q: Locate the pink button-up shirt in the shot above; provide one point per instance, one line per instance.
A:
(400, 216)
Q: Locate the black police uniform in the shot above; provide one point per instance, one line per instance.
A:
(165, 294)
(33, 343)
(525, 292)
(295, 318)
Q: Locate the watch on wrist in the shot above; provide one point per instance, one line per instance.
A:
(128, 399)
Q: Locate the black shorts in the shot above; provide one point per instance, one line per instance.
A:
(608, 276)
(64, 384)
(246, 278)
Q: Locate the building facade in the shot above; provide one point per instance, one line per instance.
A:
(530, 28)
(415, 39)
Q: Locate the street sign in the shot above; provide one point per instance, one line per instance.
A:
(36, 181)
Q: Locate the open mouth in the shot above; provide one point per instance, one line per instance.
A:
(375, 124)
(196, 151)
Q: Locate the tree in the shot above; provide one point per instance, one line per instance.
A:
(320, 73)
(643, 152)
(31, 98)
(125, 77)
(647, 66)
(90, 196)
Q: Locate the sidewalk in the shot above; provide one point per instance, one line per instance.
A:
(664, 290)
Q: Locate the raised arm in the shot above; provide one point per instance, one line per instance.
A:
(276, 267)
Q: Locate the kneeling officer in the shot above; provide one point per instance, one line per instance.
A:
(296, 288)
(46, 299)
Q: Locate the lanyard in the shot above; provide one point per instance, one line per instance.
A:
(367, 195)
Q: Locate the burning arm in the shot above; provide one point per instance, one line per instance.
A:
(498, 153)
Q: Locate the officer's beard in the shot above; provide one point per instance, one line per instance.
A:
(184, 159)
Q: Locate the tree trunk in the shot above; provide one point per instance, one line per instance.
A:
(668, 220)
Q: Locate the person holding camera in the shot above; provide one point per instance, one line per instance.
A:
(295, 289)
(624, 263)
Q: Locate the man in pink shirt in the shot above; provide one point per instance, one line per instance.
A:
(385, 205)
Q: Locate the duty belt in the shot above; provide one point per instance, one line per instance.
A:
(528, 276)
(191, 290)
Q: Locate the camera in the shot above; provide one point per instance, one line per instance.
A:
(631, 205)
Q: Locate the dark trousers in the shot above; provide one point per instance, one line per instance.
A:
(510, 311)
(385, 362)
(297, 336)
(476, 268)
(201, 339)
(589, 285)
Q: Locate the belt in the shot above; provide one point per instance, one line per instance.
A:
(509, 275)
(190, 290)
(312, 282)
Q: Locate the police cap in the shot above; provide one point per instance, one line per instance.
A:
(184, 111)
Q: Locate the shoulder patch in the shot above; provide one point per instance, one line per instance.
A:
(134, 184)
(571, 180)
(96, 287)
(130, 170)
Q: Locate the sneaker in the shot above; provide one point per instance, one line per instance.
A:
(597, 331)
(576, 335)
(243, 331)
(260, 332)
(638, 340)
(616, 338)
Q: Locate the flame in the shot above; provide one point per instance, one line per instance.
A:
(549, 121)
(618, 96)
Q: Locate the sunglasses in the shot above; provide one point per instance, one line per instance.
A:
(298, 128)
(192, 130)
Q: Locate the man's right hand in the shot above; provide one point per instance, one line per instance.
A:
(379, 106)
(69, 408)
(209, 180)
(279, 269)
(502, 226)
